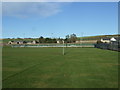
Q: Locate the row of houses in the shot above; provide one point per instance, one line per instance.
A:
(58, 42)
(23, 42)
(103, 40)
(109, 40)
(29, 42)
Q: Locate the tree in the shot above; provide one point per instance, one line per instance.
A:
(54, 40)
(67, 36)
(98, 42)
(47, 40)
(73, 38)
(41, 39)
(24, 42)
(67, 39)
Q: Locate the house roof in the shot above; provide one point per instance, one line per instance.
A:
(106, 38)
(117, 38)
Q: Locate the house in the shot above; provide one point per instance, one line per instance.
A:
(109, 40)
(105, 40)
(19, 42)
(113, 39)
(59, 41)
(77, 42)
(15, 42)
(34, 42)
(29, 42)
(10, 42)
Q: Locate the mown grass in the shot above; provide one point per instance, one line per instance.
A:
(48, 68)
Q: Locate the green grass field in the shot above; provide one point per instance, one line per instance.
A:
(48, 68)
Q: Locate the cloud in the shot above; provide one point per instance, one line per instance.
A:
(28, 9)
(39, 8)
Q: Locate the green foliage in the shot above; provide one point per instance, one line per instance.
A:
(41, 40)
(71, 38)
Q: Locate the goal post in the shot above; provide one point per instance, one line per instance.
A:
(63, 51)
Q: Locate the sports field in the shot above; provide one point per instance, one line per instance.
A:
(48, 68)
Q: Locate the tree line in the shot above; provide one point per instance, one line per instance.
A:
(68, 39)
(47, 40)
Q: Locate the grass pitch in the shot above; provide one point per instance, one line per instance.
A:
(48, 68)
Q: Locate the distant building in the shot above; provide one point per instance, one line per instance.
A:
(10, 42)
(105, 40)
(108, 40)
(34, 42)
(59, 41)
(19, 42)
(113, 39)
(15, 42)
(29, 42)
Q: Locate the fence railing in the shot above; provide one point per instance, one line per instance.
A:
(109, 46)
(56, 45)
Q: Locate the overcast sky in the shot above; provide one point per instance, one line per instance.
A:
(50, 19)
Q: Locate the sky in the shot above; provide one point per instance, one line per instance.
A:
(60, 0)
(58, 19)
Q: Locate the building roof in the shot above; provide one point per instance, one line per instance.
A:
(106, 38)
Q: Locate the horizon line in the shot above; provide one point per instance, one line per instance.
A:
(55, 37)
